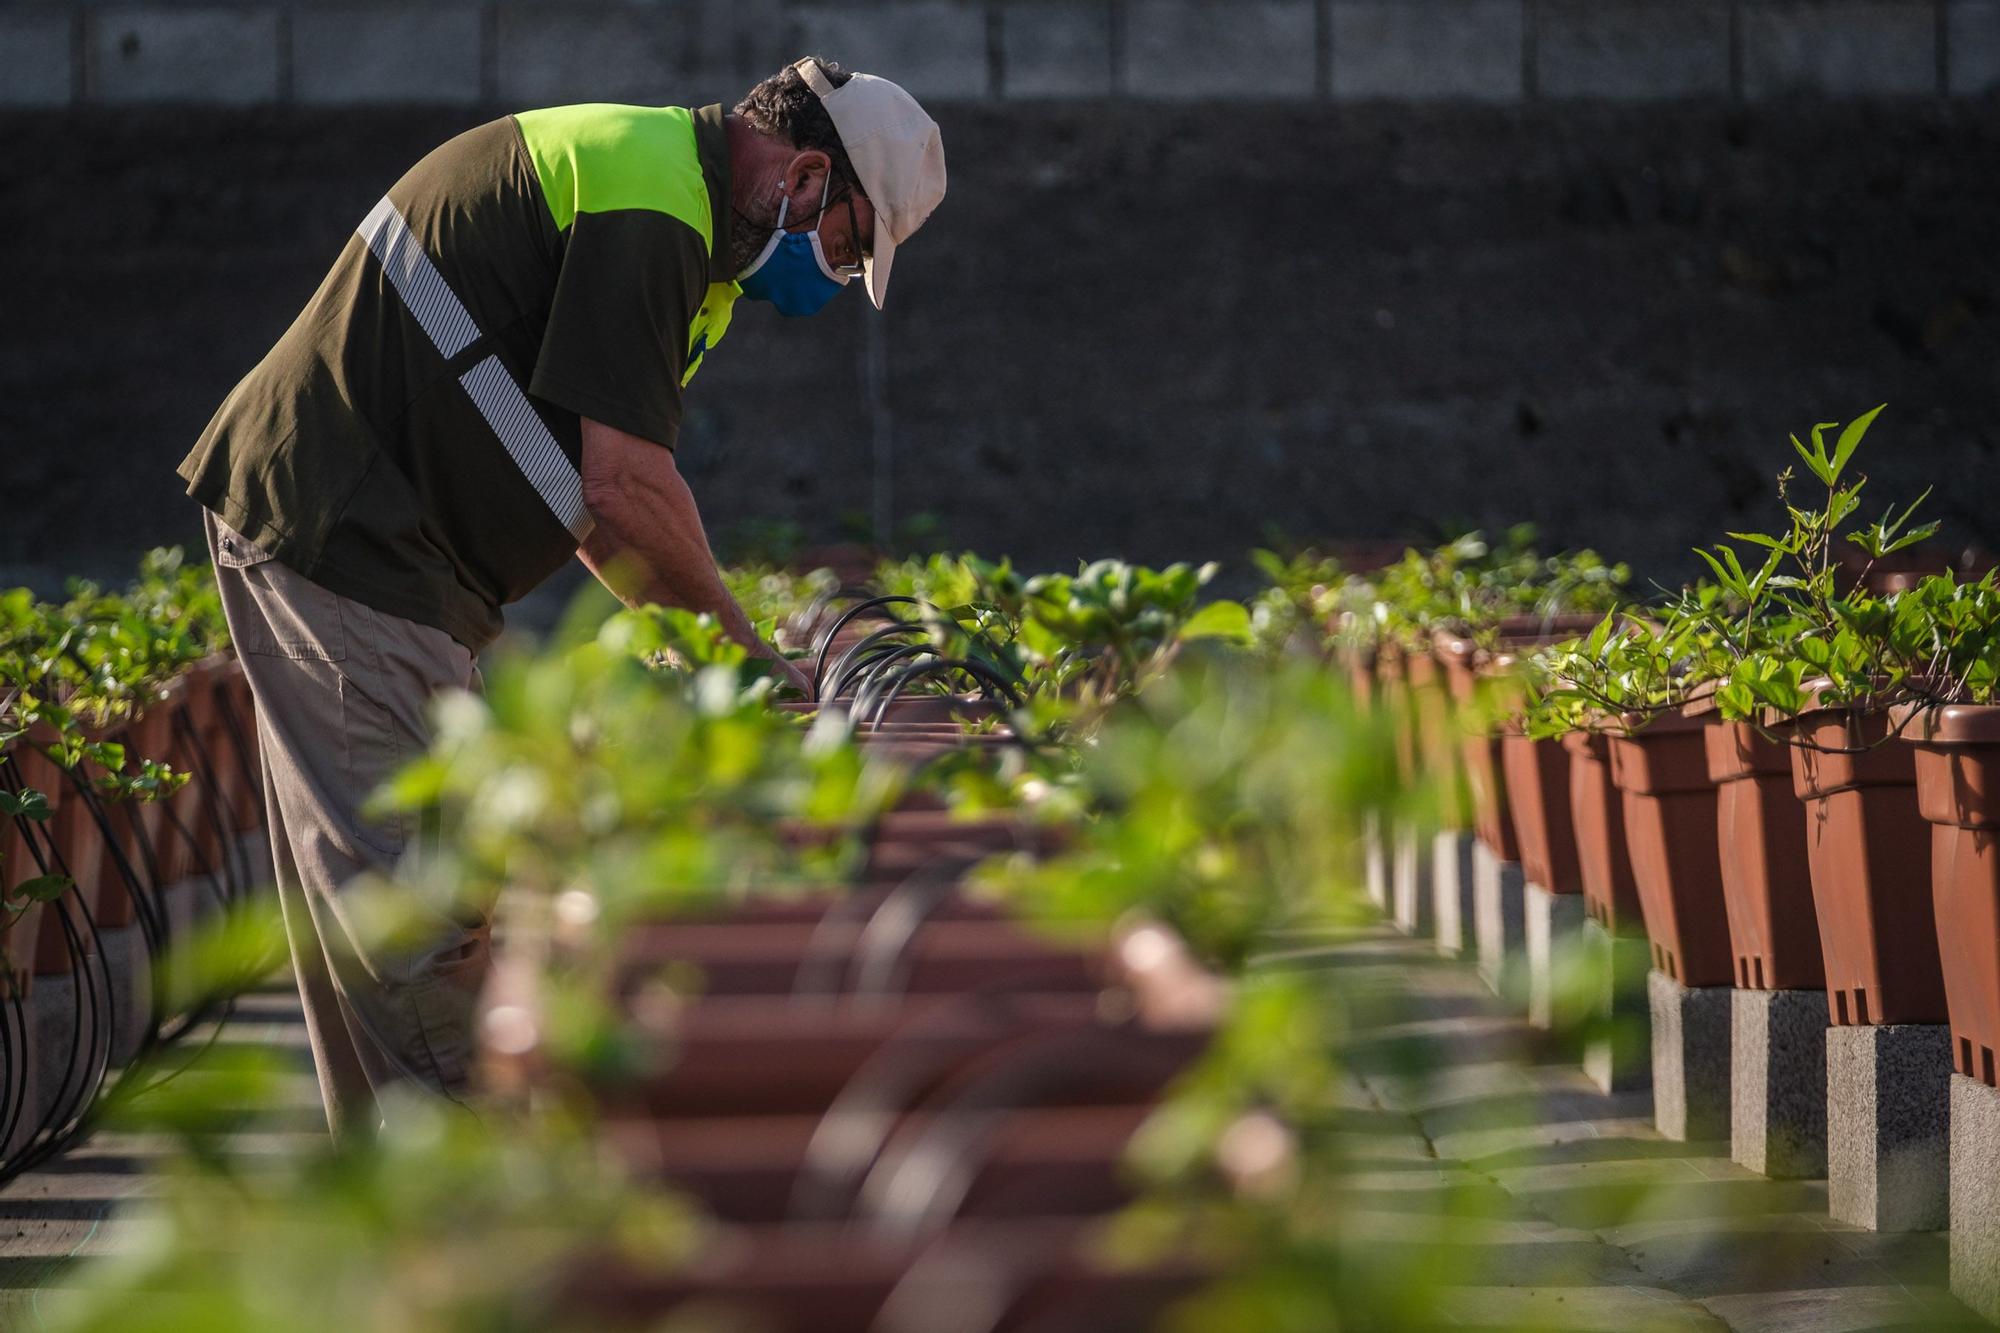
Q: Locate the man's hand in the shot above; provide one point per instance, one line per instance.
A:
(790, 674)
(648, 544)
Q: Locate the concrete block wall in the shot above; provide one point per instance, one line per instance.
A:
(519, 52)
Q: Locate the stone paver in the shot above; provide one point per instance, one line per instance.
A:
(1561, 1207)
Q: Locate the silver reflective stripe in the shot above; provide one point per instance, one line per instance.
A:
(417, 280)
(534, 450)
(492, 390)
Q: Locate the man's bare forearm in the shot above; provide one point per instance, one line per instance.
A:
(648, 544)
(686, 579)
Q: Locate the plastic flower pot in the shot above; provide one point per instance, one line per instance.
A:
(1597, 815)
(1538, 779)
(1435, 735)
(1669, 803)
(1870, 852)
(1479, 747)
(19, 940)
(1957, 751)
(1760, 836)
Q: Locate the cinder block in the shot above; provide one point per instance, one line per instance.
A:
(1554, 935)
(1975, 1196)
(35, 65)
(1220, 48)
(1409, 868)
(1777, 1085)
(1452, 892)
(1636, 51)
(1888, 1134)
(227, 57)
(1691, 1063)
(1617, 1054)
(1413, 910)
(1056, 50)
(1500, 919)
(1426, 49)
(1972, 45)
(1873, 48)
(552, 54)
(349, 56)
(1375, 857)
(934, 48)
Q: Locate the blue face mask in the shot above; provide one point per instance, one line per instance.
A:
(791, 271)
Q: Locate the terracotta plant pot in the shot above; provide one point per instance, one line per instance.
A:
(1479, 747)
(1538, 780)
(1766, 874)
(1597, 816)
(1958, 791)
(1870, 852)
(1435, 736)
(19, 940)
(1670, 819)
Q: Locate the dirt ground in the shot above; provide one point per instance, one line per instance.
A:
(1158, 332)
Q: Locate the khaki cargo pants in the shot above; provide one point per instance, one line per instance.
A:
(342, 692)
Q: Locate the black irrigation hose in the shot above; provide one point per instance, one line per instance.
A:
(72, 1109)
(985, 677)
(865, 650)
(57, 1127)
(874, 606)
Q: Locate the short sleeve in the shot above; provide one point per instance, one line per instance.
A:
(615, 345)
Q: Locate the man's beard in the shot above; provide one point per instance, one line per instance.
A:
(748, 237)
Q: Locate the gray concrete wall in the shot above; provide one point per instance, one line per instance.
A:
(1137, 328)
(350, 52)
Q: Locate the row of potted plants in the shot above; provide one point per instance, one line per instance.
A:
(667, 848)
(1784, 769)
(127, 764)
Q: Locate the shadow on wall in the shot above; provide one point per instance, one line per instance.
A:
(1155, 331)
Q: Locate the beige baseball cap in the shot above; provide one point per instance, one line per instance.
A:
(896, 151)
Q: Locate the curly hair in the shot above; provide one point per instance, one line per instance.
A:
(784, 107)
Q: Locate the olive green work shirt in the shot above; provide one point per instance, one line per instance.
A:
(413, 440)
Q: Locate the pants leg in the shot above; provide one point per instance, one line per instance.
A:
(341, 693)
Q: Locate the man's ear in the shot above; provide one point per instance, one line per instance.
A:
(804, 174)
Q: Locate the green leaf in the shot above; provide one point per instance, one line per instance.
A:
(27, 803)
(1850, 438)
(1219, 620)
(41, 889)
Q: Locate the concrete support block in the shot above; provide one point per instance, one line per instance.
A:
(130, 967)
(1375, 859)
(1221, 49)
(1451, 893)
(1409, 867)
(1972, 44)
(344, 57)
(1777, 1083)
(20, 1078)
(1554, 935)
(1842, 48)
(934, 48)
(1427, 49)
(1888, 1111)
(1056, 50)
(36, 68)
(1691, 1031)
(65, 1034)
(1628, 49)
(1500, 918)
(1413, 907)
(1975, 1196)
(1618, 1055)
(227, 57)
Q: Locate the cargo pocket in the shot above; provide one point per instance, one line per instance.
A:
(373, 750)
(296, 617)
